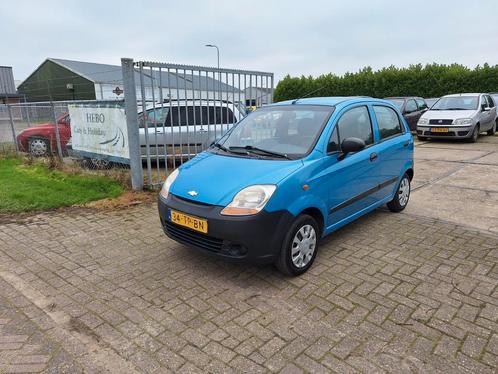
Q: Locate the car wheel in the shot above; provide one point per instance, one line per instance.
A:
(38, 147)
(492, 130)
(475, 135)
(402, 195)
(421, 138)
(300, 246)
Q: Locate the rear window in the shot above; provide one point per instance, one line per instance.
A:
(397, 102)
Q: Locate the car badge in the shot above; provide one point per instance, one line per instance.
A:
(192, 193)
(440, 121)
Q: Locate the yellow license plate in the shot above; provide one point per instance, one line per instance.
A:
(439, 129)
(185, 220)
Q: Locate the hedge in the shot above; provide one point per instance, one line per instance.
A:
(432, 80)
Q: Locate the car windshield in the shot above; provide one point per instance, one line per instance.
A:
(279, 131)
(398, 102)
(430, 102)
(456, 103)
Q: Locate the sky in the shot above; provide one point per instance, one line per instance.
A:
(284, 37)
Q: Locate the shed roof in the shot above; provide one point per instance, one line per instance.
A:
(112, 74)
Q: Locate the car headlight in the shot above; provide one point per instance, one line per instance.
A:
(168, 182)
(423, 121)
(463, 121)
(250, 200)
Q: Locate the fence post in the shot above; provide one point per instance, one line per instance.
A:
(13, 128)
(131, 110)
(57, 134)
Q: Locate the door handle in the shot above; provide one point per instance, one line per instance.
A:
(406, 144)
(373, 156)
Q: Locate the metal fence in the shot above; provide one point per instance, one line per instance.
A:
(181, 109)
(43, 129)
(173, 112)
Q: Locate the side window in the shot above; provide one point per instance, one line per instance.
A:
(156, 117)
(333, 145)
(220, 115)
(388, 121)
(421, 104)
(484, 101)
(491, 103)
(411, 106)
(355, 123)
(173, 118)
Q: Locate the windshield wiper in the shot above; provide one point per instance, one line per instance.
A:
(252, 149)
(456, 109)
(220, 146)
(225, 149)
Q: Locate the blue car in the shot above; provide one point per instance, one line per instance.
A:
(287, 175)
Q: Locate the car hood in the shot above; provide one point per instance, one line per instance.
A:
(448, 114)
(37, 128)
(217, 178)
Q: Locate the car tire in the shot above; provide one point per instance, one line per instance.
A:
(421, 138)
(492, 130)
(402, 195)
(475, 134)
(38, 147)
(299, 247)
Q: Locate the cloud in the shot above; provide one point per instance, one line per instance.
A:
(285, 37)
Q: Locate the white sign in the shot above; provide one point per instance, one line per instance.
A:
(99, 131)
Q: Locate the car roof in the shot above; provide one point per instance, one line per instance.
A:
(403, 97)
(330, 101)
(464, 94)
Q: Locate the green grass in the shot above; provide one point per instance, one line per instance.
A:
(36, 187)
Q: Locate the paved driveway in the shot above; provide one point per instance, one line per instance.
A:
(93, 291)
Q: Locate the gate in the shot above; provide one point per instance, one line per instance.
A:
(176, 111)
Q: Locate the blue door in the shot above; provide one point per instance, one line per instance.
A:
(353, 181)
(396, 145)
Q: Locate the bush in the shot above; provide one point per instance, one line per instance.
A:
(433, 80)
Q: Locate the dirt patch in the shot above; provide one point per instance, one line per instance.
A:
(127, 199)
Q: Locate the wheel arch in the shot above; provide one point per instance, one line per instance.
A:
(317, 215)
(410, 173)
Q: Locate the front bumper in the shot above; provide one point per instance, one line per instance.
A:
(454, 132)
(256, 239)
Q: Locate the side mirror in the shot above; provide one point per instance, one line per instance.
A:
(485, 108)
(350, 145)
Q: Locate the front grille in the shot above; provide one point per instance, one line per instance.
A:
(442, 133)
(440, 121)
(193, 238)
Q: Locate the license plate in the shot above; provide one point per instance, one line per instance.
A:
(439, 129)
(185, 220)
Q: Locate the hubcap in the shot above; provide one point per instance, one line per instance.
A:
(38, 147)
(404, 192)
(303, 246)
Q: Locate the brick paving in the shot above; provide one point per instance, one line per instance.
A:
(93, 291)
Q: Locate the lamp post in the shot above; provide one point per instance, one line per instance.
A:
(218, 55)
(217, 52)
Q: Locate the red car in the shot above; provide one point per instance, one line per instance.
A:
(41, 140)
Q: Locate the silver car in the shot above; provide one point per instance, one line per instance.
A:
(181, 129)
(459, 116)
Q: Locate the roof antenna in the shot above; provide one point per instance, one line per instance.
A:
(308, 94)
